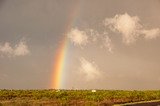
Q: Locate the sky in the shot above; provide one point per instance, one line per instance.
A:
(111, 44)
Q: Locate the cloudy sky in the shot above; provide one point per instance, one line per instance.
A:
(111, 44)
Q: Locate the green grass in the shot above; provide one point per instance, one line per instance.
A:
(70, 97)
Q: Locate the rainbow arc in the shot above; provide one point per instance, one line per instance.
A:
(59, 64)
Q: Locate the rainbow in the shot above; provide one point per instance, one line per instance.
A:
(58, 70)
(59, 64)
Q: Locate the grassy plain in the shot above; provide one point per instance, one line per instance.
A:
(74, 97)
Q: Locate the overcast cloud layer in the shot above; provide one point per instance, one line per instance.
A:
(111, 44)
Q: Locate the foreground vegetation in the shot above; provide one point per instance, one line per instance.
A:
(74, 97)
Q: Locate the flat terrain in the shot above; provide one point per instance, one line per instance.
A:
(75, 97)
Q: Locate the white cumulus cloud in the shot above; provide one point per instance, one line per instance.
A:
(151, 34)
(93, 34)
(6, 49)
(130, 28)
(108, 44)
(78, 37)
(90, 36)
(20, 49)
(90, 69)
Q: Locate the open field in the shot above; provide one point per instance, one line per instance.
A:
(74, 97)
